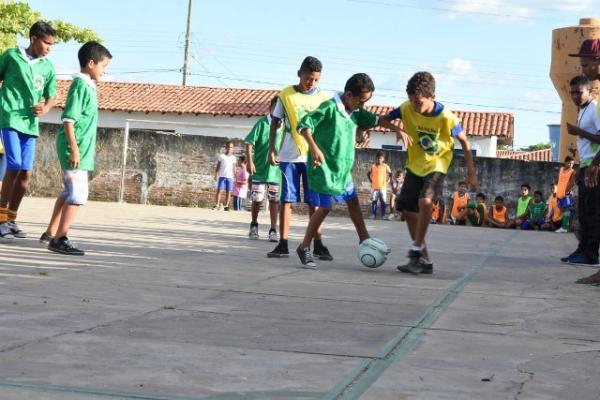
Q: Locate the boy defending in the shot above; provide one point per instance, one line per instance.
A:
(76, 146)
(28, 92)
(265, 177)
(433, 129)
(293, 102)
(330, 133)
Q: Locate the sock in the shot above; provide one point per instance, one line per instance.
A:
(414, 247)
(565, 220)
(3, 214)
(12, 215)
(374, 207)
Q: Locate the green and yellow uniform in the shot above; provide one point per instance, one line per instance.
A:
(259, 139)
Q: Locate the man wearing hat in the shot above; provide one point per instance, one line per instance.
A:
(587, 131)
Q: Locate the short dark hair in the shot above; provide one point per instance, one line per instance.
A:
(538, 192)
(359, 83)
(462, 183)
(499, 198)
(227, 143)
(242, 159)
(525, 185)
(379, 154)
(273, 101)
(311, 64)
(92, 51)
(422, 83)
(480, 195)
(568, 159)
(41, 29)
(581, 80)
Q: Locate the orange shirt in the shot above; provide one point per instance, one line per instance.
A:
(563, 181)
(553, 205)
(499, 216)
(459, 202)
(379, 176)
(435, 215)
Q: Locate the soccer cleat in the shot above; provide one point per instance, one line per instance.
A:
(16, 231)
(273, 236)
(322, 253)
(64, 246)
(279, 251)
(253, 232)
(306, 258)
(6, 234)
(45, 238)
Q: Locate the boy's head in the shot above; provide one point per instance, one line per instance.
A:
(553, 188)
(581, 90)
(309, 74)
(462, 187)
(421, 92)
(569, 162)
(94, 59)
(480, 198)
(537, 196)
(399, 174)
(229, 147)
(242, 160)
(499, 202)
(525, 188)
(589, 58)
(41, 38)
(272, 104)
(379, 157)
(358, 90)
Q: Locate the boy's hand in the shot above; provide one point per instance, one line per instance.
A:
(251, 168)
(273, 158)
(317, 157)
(591, 176)
(39, 109)
(74, 158)
(472, 181)
(572, 129)
(401, 135)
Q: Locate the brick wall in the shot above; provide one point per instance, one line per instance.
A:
(170, 169)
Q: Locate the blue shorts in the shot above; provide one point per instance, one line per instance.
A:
(19, 150)
(225, 184)
(2, 166)
(528, 225)
(566, 202)
(292, 175)
(326, 200)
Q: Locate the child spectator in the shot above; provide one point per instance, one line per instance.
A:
(438, 215)
(240, 188)
(553, 214)
(498, 214)
(566, 182)
(396, 188)
(76, 146)
(477, 212)
(522, 205)
(535, 215)
(379, 176)
(458, 205)
(224, 174)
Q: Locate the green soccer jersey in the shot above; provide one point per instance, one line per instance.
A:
(334, 132)
(259, 139)
(24, 83)
(82, 109)
(537, 211)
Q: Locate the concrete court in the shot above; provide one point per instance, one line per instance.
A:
(176, 303)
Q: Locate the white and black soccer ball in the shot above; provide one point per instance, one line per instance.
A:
(373, 252)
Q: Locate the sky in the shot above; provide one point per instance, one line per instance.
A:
(486, 55)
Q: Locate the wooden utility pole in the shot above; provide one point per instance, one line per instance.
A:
(186, 55)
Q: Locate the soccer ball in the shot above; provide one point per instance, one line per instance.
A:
(373, 252)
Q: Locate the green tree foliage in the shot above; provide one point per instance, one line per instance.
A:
(17, 17)
(535, 147)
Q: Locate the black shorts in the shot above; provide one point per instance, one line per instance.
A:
(419, 187)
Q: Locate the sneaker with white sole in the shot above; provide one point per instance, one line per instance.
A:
(561, 230)
(64, 246)
(6, 234)
(273, 236)
(306, 258)
(45, 238)
(253, 234)
(16, 230)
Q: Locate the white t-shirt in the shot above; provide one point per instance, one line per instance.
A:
(226, 166)
(288, 152)
(588, 120)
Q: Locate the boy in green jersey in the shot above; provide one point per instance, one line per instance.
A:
(536, 213)
(265, 177)
(330, 132)
(28, 91)
(522, 204)
(76, 146)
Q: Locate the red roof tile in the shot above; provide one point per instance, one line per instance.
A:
(539, 155)
(159, 98)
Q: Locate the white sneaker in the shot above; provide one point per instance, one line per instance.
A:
(561, 230)
(389, 217)
(273, 236)
(253, 232)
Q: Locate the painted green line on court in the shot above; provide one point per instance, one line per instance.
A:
(367, 372)
(94, 392)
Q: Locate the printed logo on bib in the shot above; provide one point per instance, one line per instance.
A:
(428, 141)
(38, 82)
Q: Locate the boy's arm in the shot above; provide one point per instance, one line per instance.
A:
(389, 173)
(466, 147)
(317, 154)
(369, 174)
(43, 108)
(74, 157)
(571, 183)
(250, 163)
(400, 134)
(577, 131)
(591, 173)
(217, 169)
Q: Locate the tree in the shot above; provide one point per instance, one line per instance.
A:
(536, 147)
(16, 18)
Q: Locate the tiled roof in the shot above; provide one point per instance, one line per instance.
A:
(158, 98)
(539, 155)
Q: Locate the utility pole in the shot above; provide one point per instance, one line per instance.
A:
(186, 55)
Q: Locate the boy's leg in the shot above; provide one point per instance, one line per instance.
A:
(290, 184)
(357, 218)
(68, 214)
(56, 216)
(217, 198)
(323, 204)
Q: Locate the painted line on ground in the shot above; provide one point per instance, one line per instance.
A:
(357, 382)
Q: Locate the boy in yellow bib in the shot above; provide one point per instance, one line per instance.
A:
(433, 129)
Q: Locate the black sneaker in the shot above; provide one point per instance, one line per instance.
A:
(322, 253)
(15, 230)
(306, 258)
(415, 262)
(427, 268)
(279, 251)
(64, 246)
(226, 208)
(45, 238)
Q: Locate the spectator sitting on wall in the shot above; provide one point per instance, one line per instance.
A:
(522, 205)
(535, 213)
